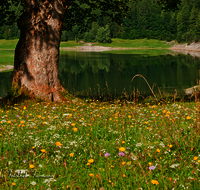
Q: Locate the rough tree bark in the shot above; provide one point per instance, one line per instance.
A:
(37, 52)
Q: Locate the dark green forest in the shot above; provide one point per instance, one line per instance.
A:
(145, 19)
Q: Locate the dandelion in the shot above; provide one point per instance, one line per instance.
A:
(91, 175)
(58, 144)
(90, 161)
(75, 129)
(155, 182)
(71, 154)
(195, 158)
(106, 154)
(121, 149)
(31, 166)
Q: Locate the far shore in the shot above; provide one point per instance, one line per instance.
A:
(193, 49)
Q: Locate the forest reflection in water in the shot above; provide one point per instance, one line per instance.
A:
(94, 73)
(101, 73)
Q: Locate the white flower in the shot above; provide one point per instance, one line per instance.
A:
(33, 183)
(174, 166)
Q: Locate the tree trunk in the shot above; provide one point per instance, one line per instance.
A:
(37, 52)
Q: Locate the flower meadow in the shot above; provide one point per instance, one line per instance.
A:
(88, 144)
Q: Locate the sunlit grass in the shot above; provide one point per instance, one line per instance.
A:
(92, 145)
(137, 43)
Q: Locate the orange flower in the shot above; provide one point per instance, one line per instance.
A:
(195, 158)
(43, 150)
(75, 129)
(158, 150)
(121, 149)
(91, 175)
(31, 166)
(123, 163)
(154, 182)
(91, 161)
(13, 184)
(71, 154)
(58, 144)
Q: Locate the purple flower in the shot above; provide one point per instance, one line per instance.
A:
(128, 148)
(53, 107)
(152, 167)
(121, 154)
(106, 154)
(17, 115)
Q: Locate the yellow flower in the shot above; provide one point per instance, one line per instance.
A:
(154, 182)
(58, 144)
(33, 147)
(150, 163)
(9, 121)
(121, 149)
(188, 117)
(43, 150)
(199, 161)
(123, 142)
(75, 129)
(71, 154)
(21, 122)
(24, 107)
(170, 146)
(124, 175)
(88, 164)
(128, 163)
(131, 125)
(129, 116)
(90, 160)
(73, 124)
(195, 158)
(164, 111)
(13, 184)
(123, 163)
(112, 166)
(31, 166)
(145, 122)
(91, 175)
(158, 150)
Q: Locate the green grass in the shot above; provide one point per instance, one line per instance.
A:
(70, 44)
(8, 44)
(6, 57)
(138, 43)
(102, 145)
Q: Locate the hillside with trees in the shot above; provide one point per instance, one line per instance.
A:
(145, 19)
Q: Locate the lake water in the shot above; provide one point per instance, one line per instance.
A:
(101, 73)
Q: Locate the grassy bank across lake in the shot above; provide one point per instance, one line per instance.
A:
(88, 144)
(138, 43)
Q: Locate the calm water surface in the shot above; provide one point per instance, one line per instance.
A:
(97, 73)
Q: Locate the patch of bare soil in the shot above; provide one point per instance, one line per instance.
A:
(6, 67)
